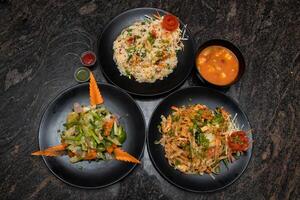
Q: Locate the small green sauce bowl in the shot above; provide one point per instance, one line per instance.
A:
(82, 74)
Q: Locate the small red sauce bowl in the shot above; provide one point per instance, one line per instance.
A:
(88, 58)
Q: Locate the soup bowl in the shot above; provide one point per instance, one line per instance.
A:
(230, 46)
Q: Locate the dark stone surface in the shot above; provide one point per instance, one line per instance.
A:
(40, 42)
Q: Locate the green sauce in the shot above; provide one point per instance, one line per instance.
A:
(82, 74)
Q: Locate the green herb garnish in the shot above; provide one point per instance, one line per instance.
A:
(150, 39)
(202, 140)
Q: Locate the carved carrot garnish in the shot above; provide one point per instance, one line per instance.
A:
(95, 95)
(51, 151)
(124, 156)
(59, 147)
(47, 153)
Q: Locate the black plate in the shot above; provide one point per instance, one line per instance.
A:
(196, 183)
(111, 72)
(92, 174)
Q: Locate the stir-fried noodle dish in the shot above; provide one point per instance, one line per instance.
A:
(197, 139)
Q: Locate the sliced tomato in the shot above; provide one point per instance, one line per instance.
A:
(238, 141)
(170, 23)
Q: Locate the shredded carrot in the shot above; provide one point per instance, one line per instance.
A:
(230, 156)
(124, 156)
(91, 155)
(157, 15)
(108, 126)
(95, 95)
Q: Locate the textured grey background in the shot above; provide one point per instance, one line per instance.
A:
(40, 42)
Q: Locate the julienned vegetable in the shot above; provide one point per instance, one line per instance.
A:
(91, 133)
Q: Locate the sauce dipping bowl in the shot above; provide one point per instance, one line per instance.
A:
(88, 58)
(235, 51)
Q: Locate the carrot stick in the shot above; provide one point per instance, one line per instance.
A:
(95, 95)
(124, 156)
(111, 148)
(108, 126)
(91, 155)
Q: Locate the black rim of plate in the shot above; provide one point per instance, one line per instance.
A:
(179, 83)
(132, 165)
(152, 156)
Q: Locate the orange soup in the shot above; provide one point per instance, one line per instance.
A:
(218, 65)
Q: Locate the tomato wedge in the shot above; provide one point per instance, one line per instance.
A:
(238, 141)
(170, 22)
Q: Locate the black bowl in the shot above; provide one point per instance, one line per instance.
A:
(192, 182)
(232, 48)
(111, 72)
(92, 174)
